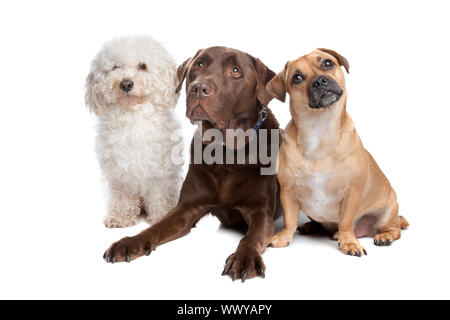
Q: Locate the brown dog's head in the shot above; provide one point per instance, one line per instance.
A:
(223, 87)
(315, 80)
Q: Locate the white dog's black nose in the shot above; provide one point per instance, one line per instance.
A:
(126, 85)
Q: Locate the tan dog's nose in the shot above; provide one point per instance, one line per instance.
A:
(321, 82)
(201, 89)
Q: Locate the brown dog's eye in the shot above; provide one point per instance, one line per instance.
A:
(236, 72)
(327, 64)
(297, 78)
(198, 65)
(142, 66)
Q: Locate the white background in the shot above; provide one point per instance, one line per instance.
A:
(52, 199)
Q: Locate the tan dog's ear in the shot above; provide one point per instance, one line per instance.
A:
(342, 61)
(182, 70)
(277, 86)
(264, 76)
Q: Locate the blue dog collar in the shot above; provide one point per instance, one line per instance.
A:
(262, 117)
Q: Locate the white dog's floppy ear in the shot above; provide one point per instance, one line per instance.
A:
(93, 98)
(182, 71)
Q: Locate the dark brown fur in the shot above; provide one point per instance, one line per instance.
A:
(238, 195)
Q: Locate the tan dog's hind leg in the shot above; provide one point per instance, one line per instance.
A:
(347, 241)
(310, 227)
(391, 231)
(291, 208)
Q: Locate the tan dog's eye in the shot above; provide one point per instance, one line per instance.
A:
(142, 66)
(236, 72)
(327, 64)
(297, 78)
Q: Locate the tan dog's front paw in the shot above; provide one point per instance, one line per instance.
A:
(384, 239)
(352, 249)
(281, 239)
(117, 221)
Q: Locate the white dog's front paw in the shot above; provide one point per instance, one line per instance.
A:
(118, 221)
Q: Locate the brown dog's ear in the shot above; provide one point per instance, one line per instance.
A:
(342, 61)
(264, 76)
(277, 86)
(182, 70)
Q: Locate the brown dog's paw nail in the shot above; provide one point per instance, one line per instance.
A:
(127, 258)
(234, 276)
(262, 273)
(225, 271)
(244, 276)
(148, 249)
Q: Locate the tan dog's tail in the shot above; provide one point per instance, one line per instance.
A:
(403, 222)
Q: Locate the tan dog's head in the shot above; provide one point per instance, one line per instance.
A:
(314, 81)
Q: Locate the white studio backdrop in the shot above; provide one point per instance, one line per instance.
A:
(52, 204)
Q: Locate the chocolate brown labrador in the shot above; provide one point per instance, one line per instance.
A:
(225, 89)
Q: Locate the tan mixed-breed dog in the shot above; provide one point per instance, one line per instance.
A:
(324, 169)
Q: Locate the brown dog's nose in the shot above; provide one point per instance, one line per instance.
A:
(126, 85)
(201, 89)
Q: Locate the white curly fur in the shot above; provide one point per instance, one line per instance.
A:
(138, 132)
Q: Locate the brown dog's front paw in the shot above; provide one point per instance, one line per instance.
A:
(127, 249)
(352, 249)
(244, 264)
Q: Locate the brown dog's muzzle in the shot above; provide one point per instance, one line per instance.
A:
(201, 95)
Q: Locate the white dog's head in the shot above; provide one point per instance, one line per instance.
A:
(131, 71)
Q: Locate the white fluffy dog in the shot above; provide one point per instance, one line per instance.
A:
(131, 89)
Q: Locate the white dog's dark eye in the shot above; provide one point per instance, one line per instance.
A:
(142, 66)
(115, 67)
(327, 64)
